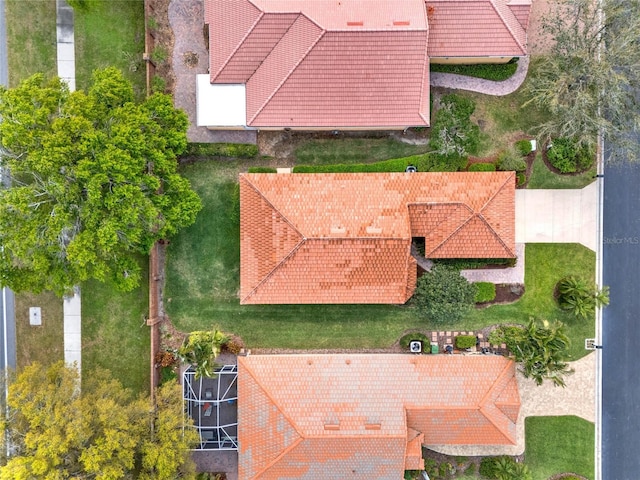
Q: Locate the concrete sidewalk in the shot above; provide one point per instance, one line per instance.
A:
(557, 216)
(66, 61)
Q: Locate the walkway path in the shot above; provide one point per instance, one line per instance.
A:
(577, 398)
(67, 71)
(463, 82)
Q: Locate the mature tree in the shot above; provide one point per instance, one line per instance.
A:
(588, 81)
(444, 295)
(580, 297)
(540, 348)
(93, 182)
(201, 348)
(101, 432)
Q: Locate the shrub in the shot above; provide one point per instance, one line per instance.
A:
(488, 71)
(511, 161)
(521, 178)
(159, 55)
(471, 263)
(446, 469)
(444, 295)
(165, 359)
(523, 147)
(565, 155)
(431, 467)
(409, 337)
(262, 170)
(167, 375)
(486, 292)
(240, 150)
(233, 345)
(482, 167)
(465, 341)
(158, 84)
(452, 132)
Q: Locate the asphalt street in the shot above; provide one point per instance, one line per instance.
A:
(621, 324)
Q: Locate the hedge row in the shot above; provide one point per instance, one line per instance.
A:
(262, 170)
(427, 162)
(482, 167)
(240, 150)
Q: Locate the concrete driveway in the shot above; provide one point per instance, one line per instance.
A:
(557, 216)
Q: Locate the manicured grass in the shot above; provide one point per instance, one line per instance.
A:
(31, 38)
(202, 284)
(503, 118)
(488, 71)
(542, 177)
(545, 264)
(43, 344)
(110, 33)
(354, 150)
(559, 444)
(114, 332)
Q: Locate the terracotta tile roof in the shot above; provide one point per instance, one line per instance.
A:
(346, 238)
(365, 416)
(323, 63)
(476, 28)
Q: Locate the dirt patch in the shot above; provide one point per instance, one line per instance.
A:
(190, 59)
(163, 41)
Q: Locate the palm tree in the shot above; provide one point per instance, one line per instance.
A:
(580, 297)
(201, 349)
(540, 349)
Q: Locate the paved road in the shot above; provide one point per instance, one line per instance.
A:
(621, 324)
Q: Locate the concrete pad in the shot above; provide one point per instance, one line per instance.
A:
(500, 275)
(66, 52)
(72, 310)
(283, 170)
(557, 216)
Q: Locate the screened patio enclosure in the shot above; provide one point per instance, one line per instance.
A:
(212, 403)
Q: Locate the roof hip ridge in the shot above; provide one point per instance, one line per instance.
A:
(292, 69)
(506, 24)
(240, 43)
(456, 230)
(481, 216)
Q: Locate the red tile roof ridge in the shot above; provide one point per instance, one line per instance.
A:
(488, 403)
(291, 70)
(214, 75)
(426, 70)
(456, 230)
(497, 191)
(248, 371)
(507, 24)
(286, 257)
(279, 457)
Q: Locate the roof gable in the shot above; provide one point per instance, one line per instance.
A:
(343, 405)
(346, 238)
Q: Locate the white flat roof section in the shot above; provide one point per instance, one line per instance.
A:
(220, 105)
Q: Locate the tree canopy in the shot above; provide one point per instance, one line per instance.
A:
(588, 81)
(101, 432)
(93, 182)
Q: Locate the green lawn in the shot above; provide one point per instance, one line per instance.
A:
(31, 38)
(203, 279)
(111, 33)
(114, 332)
(42, 344)
(542, 177)
(353, 150)
(559, 444)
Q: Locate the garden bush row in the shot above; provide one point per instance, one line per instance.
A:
(487, 71)
(239, 150)
(568, 157)
(427, 162)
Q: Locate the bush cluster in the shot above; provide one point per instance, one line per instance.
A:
(488, 71)
(465, 341)
(523, 147)
(486, 292)
(443, 295)
(262, 170)
(568, 157)
(239, 150)
(452, 132)
(503, 468)
(482, 167)
(510, 160)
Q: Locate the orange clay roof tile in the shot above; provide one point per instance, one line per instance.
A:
(346, 238)
(351, 415)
